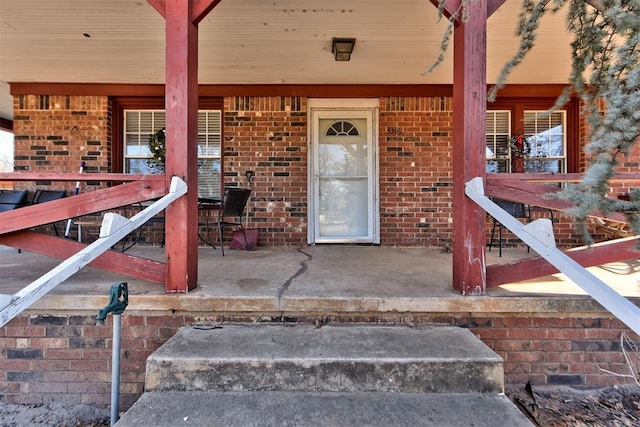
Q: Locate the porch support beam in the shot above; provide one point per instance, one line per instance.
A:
(181, 104)
(586, 256)
(59, 248)
(82, 204)
(449, 7)
(469, 128)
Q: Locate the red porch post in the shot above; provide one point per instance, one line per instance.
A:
(181, 104)
(469, 128)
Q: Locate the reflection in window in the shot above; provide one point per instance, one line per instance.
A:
(497, 141)
(546, 135)
(343, 179)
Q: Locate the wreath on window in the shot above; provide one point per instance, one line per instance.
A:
(520, 146)
(158, 151)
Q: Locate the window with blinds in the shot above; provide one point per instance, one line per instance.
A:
(497, 141)
(545, 134)
(139, 127)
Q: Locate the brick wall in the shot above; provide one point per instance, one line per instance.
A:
(57, 133)
(557, 350)
(67, 359)
(268, 135)
(415, 171)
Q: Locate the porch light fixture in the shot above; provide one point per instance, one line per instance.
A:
(342, 48)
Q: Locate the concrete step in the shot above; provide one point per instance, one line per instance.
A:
(341, 358)
(325, 409)
(343, 375)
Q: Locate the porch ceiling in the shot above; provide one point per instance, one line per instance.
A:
(254, 41)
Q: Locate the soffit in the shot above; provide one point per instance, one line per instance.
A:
(255, 41)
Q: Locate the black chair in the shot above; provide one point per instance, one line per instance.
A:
(208, 208)
(516, 210)
(234, 202)
(12, 199)
(43, 196)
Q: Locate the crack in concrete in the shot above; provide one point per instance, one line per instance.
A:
(287, 283)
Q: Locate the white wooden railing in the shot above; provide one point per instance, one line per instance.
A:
(539, 236)
(114, 228)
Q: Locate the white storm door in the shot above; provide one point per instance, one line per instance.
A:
(344, 181)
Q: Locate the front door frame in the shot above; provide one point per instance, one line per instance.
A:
(371, 105)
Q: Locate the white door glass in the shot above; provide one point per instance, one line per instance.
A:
(343, 179)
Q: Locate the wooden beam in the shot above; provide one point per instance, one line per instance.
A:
(201, 9)
(93, 177)
(451, 6)
(469, 105)
(527, 193)
(82, 204)
(308, 90)
(556, 177)
(538, 195)
(59, 248)
(181, 160)
(181, 105)
(586, 256)
(160, 6)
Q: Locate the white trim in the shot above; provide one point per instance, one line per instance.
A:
(342, 103)
(333, 107)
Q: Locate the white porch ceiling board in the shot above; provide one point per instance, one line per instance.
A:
(290, 42)
(257, 41)
(549, 61)
(253, 41)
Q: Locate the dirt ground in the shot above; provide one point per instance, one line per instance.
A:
(553, 406)
(546, 406)
(53, 415)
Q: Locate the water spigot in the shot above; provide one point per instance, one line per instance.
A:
(119, 298)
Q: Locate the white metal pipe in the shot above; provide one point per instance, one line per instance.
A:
(115, 369)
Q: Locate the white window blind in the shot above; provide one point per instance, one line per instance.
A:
(497, 141)
(546, 134)
(139, 127)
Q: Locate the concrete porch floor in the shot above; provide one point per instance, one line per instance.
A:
(315, 281)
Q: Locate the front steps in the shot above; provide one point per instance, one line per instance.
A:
(344, 375)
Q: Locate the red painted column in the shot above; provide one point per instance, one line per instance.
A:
(469, 128)
(181, 104)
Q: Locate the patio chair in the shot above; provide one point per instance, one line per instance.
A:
(12, 199)
(516, 210)
(234, 201)
(43, 196)
(612, 229)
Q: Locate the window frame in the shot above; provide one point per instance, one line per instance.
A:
(518, 106)
(122, 104)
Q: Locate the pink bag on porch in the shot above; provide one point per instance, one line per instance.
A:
(237, 240)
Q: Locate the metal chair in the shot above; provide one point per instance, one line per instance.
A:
(516, 210)
(43, 196)
(12, 199)
(234, 201)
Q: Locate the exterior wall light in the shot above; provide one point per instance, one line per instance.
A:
(342, 48)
